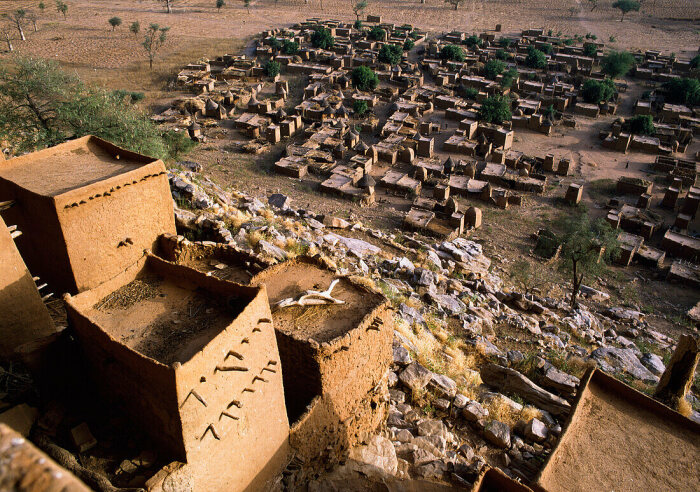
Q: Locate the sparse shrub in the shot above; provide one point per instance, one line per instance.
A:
(360, 108)
(683, 91)
(641, 124)
(62, 8)
(535, 58)
(473, 40)
(133, 97)
(408, 45)
(358, 24)
(508, 78)
(590, 50)
(616, 64)
(504, 43)
(502, 54)
(391, 54)
(612, 39)
(220, 4)
(321, 38)
(272, 68)
(546, 48)
(364, 78)
(495, 109)
(494, 68)
(595, 92)
(470, 92)
(290, 47)
(569, 42)
(135, 28)
(452, 52)
(695, 62)
(115, 22)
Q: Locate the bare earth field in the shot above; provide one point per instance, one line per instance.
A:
(84, 42)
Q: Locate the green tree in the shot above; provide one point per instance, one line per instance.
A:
(454, 3)
(585, 248)
(469, 92)
(494, 68)
(220, 4)
(391, 54)
(376, 33)
(360, 108)
(322, 38)
(364, 78)
(695, 62)
(168, 5)
(527, 278)
(44, 106)
(626, 6)
(535, 58)
(504, 42)
(595, 91)
(452, 52)
(508, 78)
(272, 68)
(359, 8)
(17, 18)
(641, 124)
(290, 47)
(616, 64)
(408, 44)
(135, 28)
(590, 50)
(42, 7)
(495, 109)
(154, 41)
(683, 91)
(62, 7)
(473, 40)
(115, 22)
(246, 4)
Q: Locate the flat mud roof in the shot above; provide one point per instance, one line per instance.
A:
(166, 319)
(619, 439)
(69, 166)
(322, 323)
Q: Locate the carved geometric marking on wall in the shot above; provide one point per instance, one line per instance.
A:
(268, 369)
(264, 320)
(230, 368)
(245, 340)
(235, 403)
(226, 414)
(213, 432)
(196, 395)
(231, 353)
(256, 329)
(248, 390)
(258, 378)
(271, 362)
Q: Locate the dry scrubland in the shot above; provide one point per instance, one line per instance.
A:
(85, 41)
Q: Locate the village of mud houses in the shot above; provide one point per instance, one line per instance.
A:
(349, 245)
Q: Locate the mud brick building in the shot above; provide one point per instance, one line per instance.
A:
(334, 357)
(24, 316)
(193, 361)
(87, 210)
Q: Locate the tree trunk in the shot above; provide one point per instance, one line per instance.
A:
(35, 28)
(623, 17)
(456, 5)
(679, 373)
(9, 43)
(576, 284)
(168, 6)
(21, 32)
(150, 63)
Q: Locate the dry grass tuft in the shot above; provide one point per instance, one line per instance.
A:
(235, 219)
(254, 238)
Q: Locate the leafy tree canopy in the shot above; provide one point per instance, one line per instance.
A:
(494, 68)
(683, 91)
(321, 38)
(595, 91)
(452, 52)
(616, 64)
(495, 109)
(535, 58)
(364, 78)
(391, 54)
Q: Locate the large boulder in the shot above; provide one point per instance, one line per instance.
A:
(498, 433)
(618, 360)
(378, 457)
(415, 376)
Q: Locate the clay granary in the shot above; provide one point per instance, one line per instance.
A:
(193, 361)
(86, 208)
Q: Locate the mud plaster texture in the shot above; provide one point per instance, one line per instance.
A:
(87, 210)
(619, 439)
(24, 468)
(334, 358)
(219, 260)
(219, 407)
(24, 316)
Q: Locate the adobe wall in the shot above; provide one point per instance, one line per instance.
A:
(24, 315)
(41, 244)
(346, 372)
(109, 232)
(222, 411)
(79, 238)
(142, 387)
